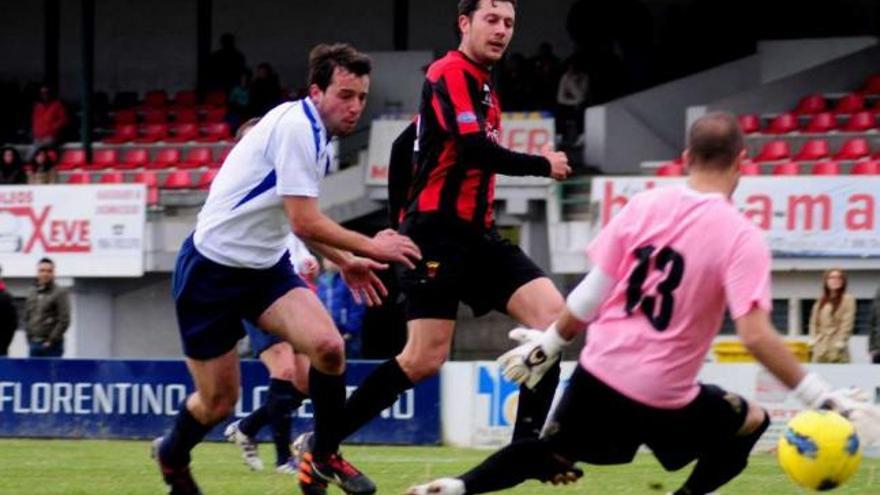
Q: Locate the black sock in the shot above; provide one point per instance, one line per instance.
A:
(722, 463)
(519, 461)
(378, 391)
(251, 424)
(328, 399)
(186, 433)
(283, 399)
(534, 404)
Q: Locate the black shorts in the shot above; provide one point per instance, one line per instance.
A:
(461, 263)
(598, 425)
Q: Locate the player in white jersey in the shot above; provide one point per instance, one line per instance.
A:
(235, 266)
(664, 269)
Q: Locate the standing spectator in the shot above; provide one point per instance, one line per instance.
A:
(49, 118)
(874, 342)
(346, 312)
(265, 90)
(8, 319)
(571, 98)
(47, 313)
(547, 71)
(43, 166)
(226, 64)
(11, 168)
(832, 319)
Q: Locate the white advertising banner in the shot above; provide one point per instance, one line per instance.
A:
(802, 216)
(525, 133)
(87, 230)
(479, 403)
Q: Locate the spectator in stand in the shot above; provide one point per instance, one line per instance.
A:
(12, 168)
(571, 98)
(347, 313)
(8, 319)
(832, 319)
(874, 342)
(43, 166)
(265, 90)
(226, 64)
(546, 75)
(47, 313)
(49, 118)
(239, 100)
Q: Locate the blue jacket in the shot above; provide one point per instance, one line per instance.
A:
(347, 314)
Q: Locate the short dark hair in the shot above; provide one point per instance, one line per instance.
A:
(46, 260)
(324, 59)
(468, 7)
(715, 140)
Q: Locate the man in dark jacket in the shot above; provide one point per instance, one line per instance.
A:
(8, 318)
(47, 313)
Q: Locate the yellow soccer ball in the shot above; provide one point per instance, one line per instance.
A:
(819, 450)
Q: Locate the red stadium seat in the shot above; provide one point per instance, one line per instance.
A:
(79, 178)
(124, 117)
(103, 159)
(860, 122)
(112, 178)
(212, 133)
(750, 123)
(186, 116)
(73, 158)
(166, 158)
(773, 151)
(197, 157)
(853, 149)
(782, 124)
(153, 133)
(152, 183)
(787, 168)
(670, 169)
(748, 167)
(821, 123)
(872, 85)
(871, 167)
(811, 104)
(179, 179)
(122, 134)
(206, 179)
(156, 98)
(216, 98)
(221, 159)
(182, 133)
(814, 149)
(155, 116)
(850, 103)
(215, 114)
(827, 167)
(185, 98)
(134, 159)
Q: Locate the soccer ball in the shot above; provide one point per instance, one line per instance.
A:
(819, 450)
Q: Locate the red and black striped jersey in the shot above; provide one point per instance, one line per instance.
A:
(456, 152)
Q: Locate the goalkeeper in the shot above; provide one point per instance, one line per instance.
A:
(664, 269)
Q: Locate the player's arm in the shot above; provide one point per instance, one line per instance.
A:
(457, 113)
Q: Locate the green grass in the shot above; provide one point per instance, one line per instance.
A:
(93, 467)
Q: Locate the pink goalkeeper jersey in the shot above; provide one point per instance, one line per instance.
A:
(677, 257)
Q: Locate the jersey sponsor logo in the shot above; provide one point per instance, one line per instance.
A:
(466, 118)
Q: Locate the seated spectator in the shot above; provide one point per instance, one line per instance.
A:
(43, 166)
(832, 320)
(346, 312)
(12, 168)
(49, 118)
(239, 100)
(265, 90)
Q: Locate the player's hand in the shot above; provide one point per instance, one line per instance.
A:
(559, 168)
(388, 245)
(360, 278)
(308, 268)
(854, 404)
(537, 352)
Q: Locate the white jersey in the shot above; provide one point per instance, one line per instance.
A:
(243, 223)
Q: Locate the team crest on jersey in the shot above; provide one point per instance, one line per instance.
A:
(432, 267)
(466, 118)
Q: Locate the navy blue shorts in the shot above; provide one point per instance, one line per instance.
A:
(212, 299)
(260, 339)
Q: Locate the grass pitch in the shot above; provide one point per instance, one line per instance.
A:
(93, 467)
